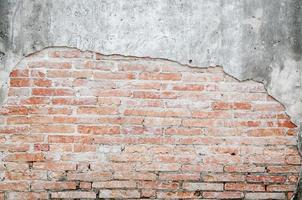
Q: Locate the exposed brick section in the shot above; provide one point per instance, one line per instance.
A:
(77, 125)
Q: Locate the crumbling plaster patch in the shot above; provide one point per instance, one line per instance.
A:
(251, 39)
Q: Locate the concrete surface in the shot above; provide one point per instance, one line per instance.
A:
(251, 39)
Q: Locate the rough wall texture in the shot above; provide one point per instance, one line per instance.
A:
(252, 39)
(82, 125)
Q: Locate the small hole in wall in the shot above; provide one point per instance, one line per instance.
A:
(190, 61)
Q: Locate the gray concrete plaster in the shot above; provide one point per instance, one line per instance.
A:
(251, 39)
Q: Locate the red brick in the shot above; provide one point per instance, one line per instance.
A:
(19, 73)
(27, 138)
(100, 65)
(14, 186)
(74, 101)
(244, 168)
(36, 100)
(156, 167)
(48, 185)
(60, 139)
(178, 195)
(178, 177)
(119, 194)
(158, 185)
(221, 106)
(282, 169)
(84, 148)
(27, 195)
(52, 92)
(85, 185)
(98, 110)
(265, 132)
(41, 147)
(70, 54)
(114, 184)
(148, 193)
(188, 87)
(293, 160)
(244, 187)
(223, 177)
(287, 124)
(54, 166)
(157, 113)
(203, 186)
(162, 121)
(146, 95)
(24, 157)
(280, 188)
(52, 129)
(26, 175)
(99, 129)
(223, 195)
(42, 82)
(265, 179)
(198, 122)
(73, 195)
(214, 114)
(90, 176)
(265, 195)
(126, 175)
(203, 168)
(113, 75)
(14, 147)
(19, 82)
(242, 106)
(50, 65)
(183, 131)
(160, 76)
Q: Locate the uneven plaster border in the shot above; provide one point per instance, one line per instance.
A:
(5, 85)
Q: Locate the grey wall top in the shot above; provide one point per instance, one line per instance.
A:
(251, 39)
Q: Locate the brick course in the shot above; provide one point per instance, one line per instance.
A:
(82, 125)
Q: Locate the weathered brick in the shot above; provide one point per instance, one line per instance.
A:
(19, 82)
(223, 178)
(50, 65)
(114, 184)
(26, 195)
(178, 195)
(99, 129)
(265, 179)
(24, 157)
(82, 125)
(244, 187)
(178, 177)
(19, 73)
(160, 76)
(55, 166)
(14, 186)
(119, 194)
(90, 176)
(73, 195)
(47, 185)
(159, 185)
(203, 186)
(223, 195)
(52, 92)
(265, 195)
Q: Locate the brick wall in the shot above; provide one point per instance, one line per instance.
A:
(82, 125)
